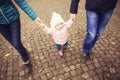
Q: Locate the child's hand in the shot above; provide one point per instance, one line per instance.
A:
(73, 17)
(42, 25)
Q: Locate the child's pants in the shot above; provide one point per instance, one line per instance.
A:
(59, 46)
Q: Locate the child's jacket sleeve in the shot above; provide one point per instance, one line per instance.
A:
(69, 23)
(47, 30)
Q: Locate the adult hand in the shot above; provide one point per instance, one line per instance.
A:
(73, 16)
(42, 25)
(38, 21)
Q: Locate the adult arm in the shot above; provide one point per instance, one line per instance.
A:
(28, 10)
(74, 8)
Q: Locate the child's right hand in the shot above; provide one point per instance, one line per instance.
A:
(42, 25)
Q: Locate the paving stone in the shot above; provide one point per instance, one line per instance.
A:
(49, 75)
(72, 67)
(74, 61)
(67, 75)
(79, 71)
(85, 75)
(75, 78)
(97, 64)
(44, 77)
(73, 72)
(92, 73)
(102, 63)
(91, 66)
(90, 79)
(78, 65)
(9, 77)
(16, 78)
(55, 73)
(21, 73)
(9, 73)
(66, 69)
(61, 77)
(69, 63)
(85, 68)
(99, 70)
(96, 78)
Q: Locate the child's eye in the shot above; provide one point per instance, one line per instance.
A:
(61, 23)
(57, 25)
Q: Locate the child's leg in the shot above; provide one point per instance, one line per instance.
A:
(65, 45)
(59, 48)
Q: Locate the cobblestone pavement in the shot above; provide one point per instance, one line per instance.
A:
(47, 64)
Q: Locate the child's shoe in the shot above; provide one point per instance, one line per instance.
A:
(60, 52)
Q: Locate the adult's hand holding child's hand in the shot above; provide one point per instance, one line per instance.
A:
(73, 16)
(38, 21)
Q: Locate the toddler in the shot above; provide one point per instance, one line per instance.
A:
(58, 31)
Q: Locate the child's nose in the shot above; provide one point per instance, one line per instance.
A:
(60, 25)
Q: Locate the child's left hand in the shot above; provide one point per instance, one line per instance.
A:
(73, 17)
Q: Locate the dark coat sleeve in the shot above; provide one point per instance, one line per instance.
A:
(74, 6)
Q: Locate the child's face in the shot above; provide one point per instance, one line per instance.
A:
(59, 26)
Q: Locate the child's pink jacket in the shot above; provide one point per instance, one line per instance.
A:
(59, 36)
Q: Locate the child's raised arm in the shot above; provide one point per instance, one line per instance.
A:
(69, 23)
(46, 29)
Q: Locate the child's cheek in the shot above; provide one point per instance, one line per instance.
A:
(57, 27)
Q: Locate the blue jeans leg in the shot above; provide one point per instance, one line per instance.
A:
(96, 23)
(11, 33)
(103, 21)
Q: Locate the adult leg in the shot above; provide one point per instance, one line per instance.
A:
(16, 39)
(16, 42)
(5, 31)
(103, 20)
(12, 33)
(92, 24)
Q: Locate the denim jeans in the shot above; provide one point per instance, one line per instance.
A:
(11, 32)
(96, 23)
